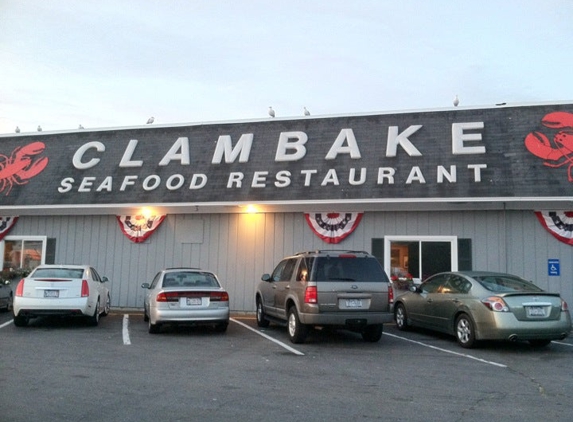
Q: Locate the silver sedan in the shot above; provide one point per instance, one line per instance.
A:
(477, 305)
(185, 296)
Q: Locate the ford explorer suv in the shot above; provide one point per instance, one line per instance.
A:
(342, 289)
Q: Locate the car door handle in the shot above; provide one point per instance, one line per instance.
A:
(429, 301)
(287, 287)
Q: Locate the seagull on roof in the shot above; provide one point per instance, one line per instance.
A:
(80, 127)
(456, 101)
(306, 112)
(271, 112)
(150, 120)
(17, 130)
(39, 128)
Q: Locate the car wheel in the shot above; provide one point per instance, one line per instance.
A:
(107, 306)
(94, 319)
(539, 343)
(401, 317)
(373, 333)
(221, 328)
(145, 316)
(261, 317)
(296, 330)
(20, 321)
(153, 328)
(465, 333)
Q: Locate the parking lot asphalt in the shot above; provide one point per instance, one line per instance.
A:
(64, 370)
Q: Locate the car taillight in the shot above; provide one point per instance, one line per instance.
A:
(390, 294)
(85, 288)
(564, 306)
(20, 288)
(219, 296)
(162, 297)
(311, 295)
(175, 296)
(496, 304)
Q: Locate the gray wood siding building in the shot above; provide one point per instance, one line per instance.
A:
(241, 247)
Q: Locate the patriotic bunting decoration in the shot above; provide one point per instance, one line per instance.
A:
(558, 223)
(138, 228)
(333, 227)
(6, 224)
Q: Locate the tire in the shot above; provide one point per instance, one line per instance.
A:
(20, 321)
(107, 306)
(145, 316)
(373, 333)
(297, 331)
(401, 317)
(153, 328)
(261, 316)
(221, 328)
(465, 332)
(94, 319)
(539, 343)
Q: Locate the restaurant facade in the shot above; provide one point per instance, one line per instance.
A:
(487, 188)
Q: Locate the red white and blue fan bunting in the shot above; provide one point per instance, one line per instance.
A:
(138, 228)
(558, 223)
(6, 224)
(333, 227)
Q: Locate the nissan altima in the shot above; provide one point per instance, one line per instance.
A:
(62, 290)
(187, 296)
(477, 305)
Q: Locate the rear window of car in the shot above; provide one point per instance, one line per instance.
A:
(58, 273)
(507, 284)
(348, 269)
(189, 279)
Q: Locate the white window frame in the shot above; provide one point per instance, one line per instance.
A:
(43, 239)
(388, 244)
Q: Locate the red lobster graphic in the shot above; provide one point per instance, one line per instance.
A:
(21, 166)
(560, 152)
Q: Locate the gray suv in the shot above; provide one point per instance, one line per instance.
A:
(346, 289)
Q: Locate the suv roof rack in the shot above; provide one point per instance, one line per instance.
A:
(326, 251)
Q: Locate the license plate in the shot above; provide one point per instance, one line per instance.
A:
(51, 293)
(536, 311)
(193, 301)
(354, 303)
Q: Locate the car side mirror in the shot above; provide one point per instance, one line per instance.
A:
(415, 289)
(266, 277)
(6, 282)
(145, 285)
(104, 279)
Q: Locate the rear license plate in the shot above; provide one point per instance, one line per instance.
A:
(193, 301)
(536, 311)
(354, 303)
(51, 293)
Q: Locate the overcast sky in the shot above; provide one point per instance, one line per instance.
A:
(113, 63)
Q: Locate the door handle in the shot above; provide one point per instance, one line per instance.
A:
(429, 301)
(287, 287)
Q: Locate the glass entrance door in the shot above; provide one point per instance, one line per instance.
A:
(418, 257)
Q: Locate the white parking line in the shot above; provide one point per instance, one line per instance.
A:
(125, 330)
(280, 343)
(448, 351)
(563, 344)
(7, 323)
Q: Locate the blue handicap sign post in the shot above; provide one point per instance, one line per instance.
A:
(553, 268)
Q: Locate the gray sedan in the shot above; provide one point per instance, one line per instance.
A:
(477, 305)
(185, 296)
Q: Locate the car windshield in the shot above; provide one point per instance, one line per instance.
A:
(58, 273)
(189, 279)
(348, 269)
(504, 283)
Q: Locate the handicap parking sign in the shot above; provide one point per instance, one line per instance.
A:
(553, 267)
